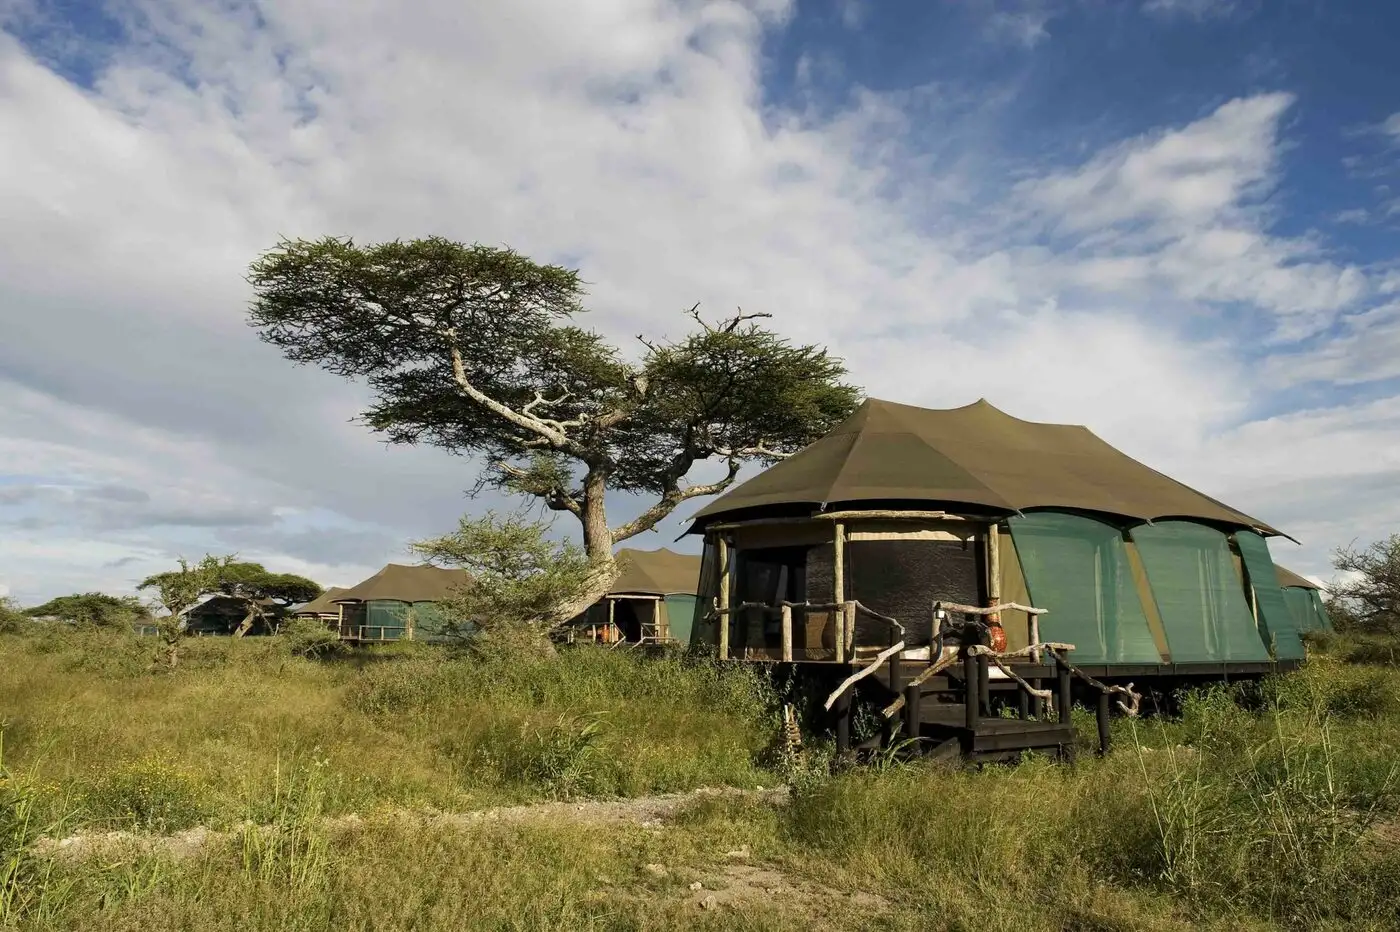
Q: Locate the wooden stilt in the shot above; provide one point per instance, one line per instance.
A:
(1102, 714)
(1063, 697)
(722, 554)
(787, 633)
(912, 694)
(973, 691)
(843, 722)
(984, 685)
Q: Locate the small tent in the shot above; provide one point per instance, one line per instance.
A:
(653, 600)
(899, 508)
(398, 602)
(1304, 600)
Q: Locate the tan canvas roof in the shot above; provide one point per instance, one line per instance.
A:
(656, 572)
(399, 583)
(324, 604)
(1289, 579)
(973, 455)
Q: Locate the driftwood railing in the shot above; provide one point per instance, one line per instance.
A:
(845, 634)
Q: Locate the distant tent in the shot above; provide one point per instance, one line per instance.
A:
(653, 599)
(1304, 600)
(223, 614)
(398, 602)
(324, 606)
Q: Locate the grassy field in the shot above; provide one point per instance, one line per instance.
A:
(334, 793)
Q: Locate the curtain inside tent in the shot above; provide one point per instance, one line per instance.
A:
(1077, 569)
(1198, 593)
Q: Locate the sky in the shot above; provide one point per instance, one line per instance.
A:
(1173, 221)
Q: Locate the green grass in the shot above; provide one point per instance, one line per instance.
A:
(1279, 813)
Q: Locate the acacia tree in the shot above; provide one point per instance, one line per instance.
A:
(177, 591)
(1370, 599)
(474, 349)
(93, 608)
(256, 588)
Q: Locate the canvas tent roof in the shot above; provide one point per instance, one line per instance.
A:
(399, 583)
(1289, 579)
(973, 455)
(656, 572)
(324, 604)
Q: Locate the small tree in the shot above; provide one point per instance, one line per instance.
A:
(1370, 599)
(177, 591)
(518, 575)
(12, 620)
(94, 609)
(473, 349)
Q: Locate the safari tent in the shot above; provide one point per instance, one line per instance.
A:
(397, 603)
(223, 614)
(652, 601)
(908, 537)
(1304, 599)
(323, 606)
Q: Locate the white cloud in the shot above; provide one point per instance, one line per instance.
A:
(1026, 28)
(1391, 125)
(633, 139)
(1192, 9)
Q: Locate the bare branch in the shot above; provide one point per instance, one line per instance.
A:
(759, 450)
(668, 502)
(540, 399)
(553, 432)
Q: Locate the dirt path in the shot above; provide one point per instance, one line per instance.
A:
(642, 810)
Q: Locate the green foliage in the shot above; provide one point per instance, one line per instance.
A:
(311, 637)
(475, 349)
(93, 608)
(149, 794)
(1370, 600)
(12, 619)
(519, 577)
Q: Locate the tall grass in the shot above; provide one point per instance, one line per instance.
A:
(1282, 812)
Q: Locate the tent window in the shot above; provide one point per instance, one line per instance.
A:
(1077, 569)
(1198, 593)
(903, 578)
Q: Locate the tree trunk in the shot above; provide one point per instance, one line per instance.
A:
(597, 543)
(247, 623)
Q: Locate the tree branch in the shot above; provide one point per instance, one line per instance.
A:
(759, 450)
(553, 432)
(668, 503)
(555, 498)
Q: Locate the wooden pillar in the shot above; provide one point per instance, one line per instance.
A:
(838, 562)
(1101, 715)
(612, 616)
(984, 684)
(896, 684)
(1037, 703)
(1063, 696)
(1023, 704)
(843, 722)
(973, 691)
(722, 555)
(912, 694)
(787, 633)
(993, 564)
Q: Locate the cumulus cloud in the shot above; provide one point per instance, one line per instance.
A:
(139, 174)
(1199, 10)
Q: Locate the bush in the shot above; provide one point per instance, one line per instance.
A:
(310, 637)
(12, 620)
(150, 794)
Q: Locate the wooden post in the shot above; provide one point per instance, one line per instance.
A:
(612, 615)
(896, 684)
(843, 722)
(993, 564)
(1102, 717)
(912, 694)
(1023, 703)
(838, 562)
(984, 684)
(787, 633)
(1037, 703)
(973, 690)
(850, 625)
(722, 554)
(1063, 696)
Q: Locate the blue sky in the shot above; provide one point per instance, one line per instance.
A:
(1174, 221)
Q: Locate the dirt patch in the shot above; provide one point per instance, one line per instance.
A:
(648, 811)
(736, 884)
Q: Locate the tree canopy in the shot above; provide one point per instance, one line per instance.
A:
(476, 349)
(93, 608)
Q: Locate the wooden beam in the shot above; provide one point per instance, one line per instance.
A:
(787, 633)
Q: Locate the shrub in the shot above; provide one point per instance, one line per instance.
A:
(310, 637)
(149, 794)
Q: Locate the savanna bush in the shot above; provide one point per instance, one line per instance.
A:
(151, 794)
